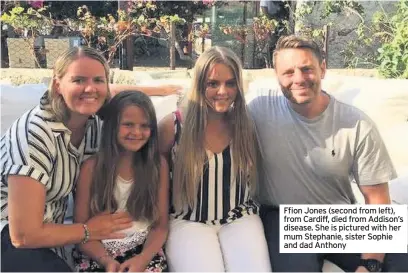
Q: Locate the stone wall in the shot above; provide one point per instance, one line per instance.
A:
(19, 76)
(343, 27)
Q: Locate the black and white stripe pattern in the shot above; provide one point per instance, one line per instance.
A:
(221, 197)
(39, 147)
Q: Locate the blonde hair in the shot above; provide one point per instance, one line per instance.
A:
(293, 41)
(191, 156)
(58, 106)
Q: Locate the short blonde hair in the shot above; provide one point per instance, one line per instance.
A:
(293, 41)
(58, 106)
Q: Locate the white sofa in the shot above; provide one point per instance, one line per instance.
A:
(385, 101)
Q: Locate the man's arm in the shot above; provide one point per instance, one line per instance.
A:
(374, 194)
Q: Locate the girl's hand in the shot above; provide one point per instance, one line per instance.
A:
(105, 225)
(135, 264)
(110, 264)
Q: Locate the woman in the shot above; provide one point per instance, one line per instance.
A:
(211, 149)
(41, 154)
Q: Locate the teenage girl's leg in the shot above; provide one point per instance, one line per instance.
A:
(193, 246)
(244, 246)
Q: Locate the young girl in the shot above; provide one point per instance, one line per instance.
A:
(127, 174)
(211, 148)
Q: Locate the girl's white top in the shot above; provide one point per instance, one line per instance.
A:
(137, 233)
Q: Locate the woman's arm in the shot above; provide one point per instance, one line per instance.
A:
(26, 202)
(158, 234)
(163, 90)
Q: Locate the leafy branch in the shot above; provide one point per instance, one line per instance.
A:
(29, 24)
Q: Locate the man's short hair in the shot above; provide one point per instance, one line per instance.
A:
(293, 41)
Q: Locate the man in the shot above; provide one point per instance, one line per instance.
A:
(311, 144)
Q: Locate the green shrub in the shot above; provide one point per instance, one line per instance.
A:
(393, 31)
(388, 33)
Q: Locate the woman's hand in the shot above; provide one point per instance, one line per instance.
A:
(105, 225)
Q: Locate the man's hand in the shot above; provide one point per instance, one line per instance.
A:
(361, 269)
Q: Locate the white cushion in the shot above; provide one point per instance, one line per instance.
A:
(386, 103)
(164, 105)
(167, 104)
(15, 100)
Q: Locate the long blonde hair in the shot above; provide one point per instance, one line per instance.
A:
(191, 156)
(58, 106)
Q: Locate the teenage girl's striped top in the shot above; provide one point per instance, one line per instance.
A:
(39, 147)
(221, 197)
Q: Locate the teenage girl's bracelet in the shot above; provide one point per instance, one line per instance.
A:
(86, 234)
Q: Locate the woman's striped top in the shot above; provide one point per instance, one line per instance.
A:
(221, 197)
(38, 146)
